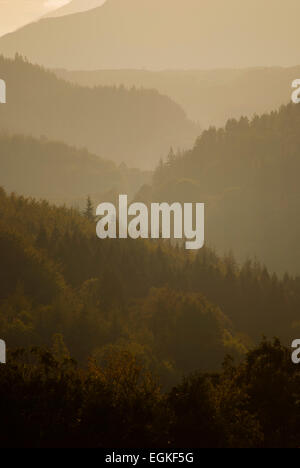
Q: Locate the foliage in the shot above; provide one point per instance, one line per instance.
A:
(46, 401)
(246, 174)
(176, 311)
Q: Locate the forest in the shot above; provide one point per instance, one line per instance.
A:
(142, 342)
(209, 97)
(95, 327)
(247, 175)
(47, 401)
(135, 126)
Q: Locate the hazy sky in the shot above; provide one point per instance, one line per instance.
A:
(16, 13)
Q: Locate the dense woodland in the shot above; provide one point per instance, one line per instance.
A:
(132, 126)
(247, 174)
(137, 316)
(185, 309)
(47, 401)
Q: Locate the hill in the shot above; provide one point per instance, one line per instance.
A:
(62, 174)
(99, 294)
(157, 35)
(176, 312)
(246, 173)
(209, 97)
(130, 311)
(136, 126)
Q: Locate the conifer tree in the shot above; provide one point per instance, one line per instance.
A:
(89, 209)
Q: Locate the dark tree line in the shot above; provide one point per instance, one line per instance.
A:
(47, 401)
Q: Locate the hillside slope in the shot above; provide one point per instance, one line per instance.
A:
(136, 126)
(174, 311)
(247, 174)
(60, 173)
(209, 97)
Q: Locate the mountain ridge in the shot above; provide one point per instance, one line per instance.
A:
(156, 35)
(136, 126)
(208, 97)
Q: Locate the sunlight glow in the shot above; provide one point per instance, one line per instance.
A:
(53, 4)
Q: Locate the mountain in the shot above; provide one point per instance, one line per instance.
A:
(62, 174)
(164, 34)
(135, 126)
(208, 97)
(17, 13)
(247, 175)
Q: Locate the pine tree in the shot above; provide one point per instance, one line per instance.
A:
(171, 157)
(89, 210)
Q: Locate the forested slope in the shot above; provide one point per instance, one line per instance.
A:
(63, 174)
(175, 311)
(247, 174)
(209, 97)
(138, 311)
(132, 126)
